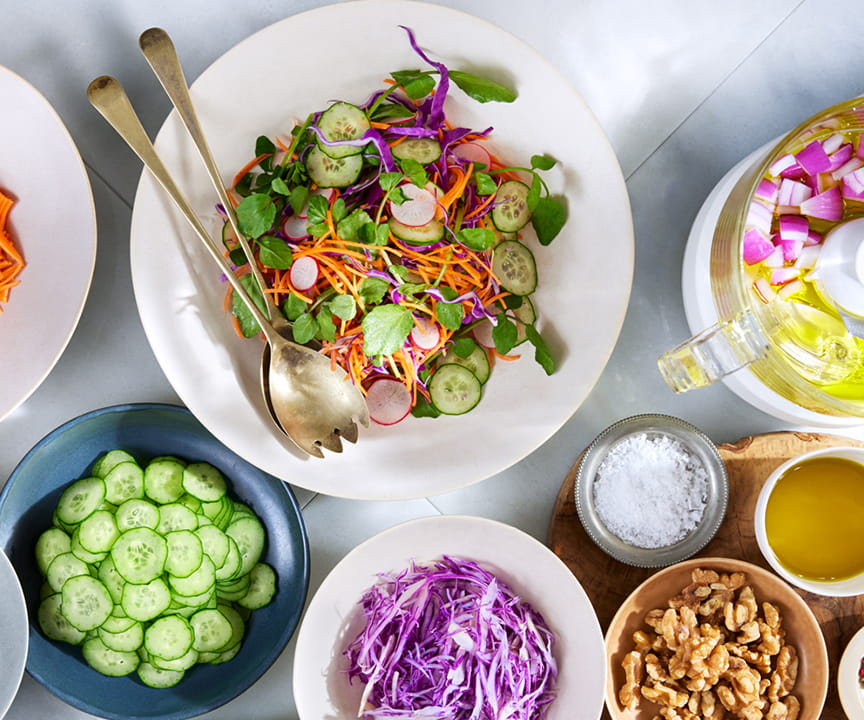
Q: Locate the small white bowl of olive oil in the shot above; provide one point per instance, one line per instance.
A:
(809, 521)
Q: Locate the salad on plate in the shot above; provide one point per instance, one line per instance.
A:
(398, 242)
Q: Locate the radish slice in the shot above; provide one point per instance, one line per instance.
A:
(475, 153)
(419, 209)
(425, 334)
(388, 400)
(304, 273)
(295, 227)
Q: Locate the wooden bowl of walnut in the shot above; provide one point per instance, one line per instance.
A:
(715, 638)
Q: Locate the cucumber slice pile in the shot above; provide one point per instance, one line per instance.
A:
(152, 570)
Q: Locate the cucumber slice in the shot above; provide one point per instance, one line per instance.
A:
(163, 480)
(137, 513)
(64, 566)
(423, 150)
(106, 462)
(107, 661)
(85, 602)
(233, 562)
(139, 555)
(213, 631)
(198, 582)
(169, 637)
(82, 498)
(53, 623)
(185, 553)
(238, 626)
(262, 588)
(427, 234)
(232, 591)
(328, 172)
(249, 535)
(186, 661)
(51, 543)
(477, 362)
(128, 640)
(158, 678)
(203, 481)
(214, 542)
(510, 210)
(342, 121)
(123, 482)
(79, 551)
(145, 601)
(98, 532)
(176, 516)
(454, 389)
(514, 266)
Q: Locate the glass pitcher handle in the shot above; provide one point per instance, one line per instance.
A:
(714, 353)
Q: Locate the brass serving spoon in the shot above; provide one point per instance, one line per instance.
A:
(313, 404)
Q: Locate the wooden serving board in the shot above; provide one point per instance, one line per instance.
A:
(748, 463)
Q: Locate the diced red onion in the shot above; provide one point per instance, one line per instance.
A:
(853, 185)
(813, 158)
(766, 191)
(791, 249)
(759, 217)
(783, 164)
(827, 205)
(792, 192)
(808, 256)
(764, 290)
(793, 228)
(832, 143)
(852, 164)
(756, 247)
(788, 290)
(840, 156)
(783, 275)
(775, 259)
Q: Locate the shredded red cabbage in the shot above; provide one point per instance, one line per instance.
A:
(450, 640)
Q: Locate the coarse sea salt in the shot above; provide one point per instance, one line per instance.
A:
(650, 490)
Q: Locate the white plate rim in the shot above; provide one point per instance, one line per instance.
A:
(237, 415)
(848, 687)
(506, 551)
(77, 196)
(15, 634)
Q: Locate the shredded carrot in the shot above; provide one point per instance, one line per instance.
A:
(11, 259)
(248, 166)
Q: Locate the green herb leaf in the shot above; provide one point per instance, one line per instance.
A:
(415, 172)
(298, 197)
(279, 186)
(485, 184)
(274, 253)
(450, 315)
(318, 208)
(423, 408)
(248, 324)
(255, 215)
(385, 329)
(349, 227)
(464, 346)
(533, 196)
(542, 162)
(264, 145)
(482, 89)
(548, 218)
(305, 328)
(344, 307)
(541, 351)
(293, 307)
(372, 290)
(326, 326)
(477, 239)
(318, 229)
(339, 210)
(416, 83)
(504, 335)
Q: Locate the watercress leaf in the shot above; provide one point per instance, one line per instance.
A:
(423, 408)
(298, 197)
(349, 227)
(504, 335)
(533, 196)
(415, 83)
(243, 187)
(464, 346)
(412, 288)
(382, 234)
(318, 229)
(447, 292)
(478, 239)
(274, 253)
(450, 315)
(415, 172)
(305, 328)
(548, 218)
(485, 184)
(339, 210)
(513, 302)
(279, 186)
(541, 350)
(255, 215)
(372, 290)
(391, 111)
(293, 307)
(264, 145)
(344, 307)
(318, 207)
(482, 89)
(542, 162)
(399, 272)
(389, 180)
(385, 329)
(237, 256)
(326, 326)
(248, 324)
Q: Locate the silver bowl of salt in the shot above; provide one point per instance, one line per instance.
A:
(651, 490)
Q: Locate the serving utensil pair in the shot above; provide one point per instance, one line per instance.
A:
(315, 405)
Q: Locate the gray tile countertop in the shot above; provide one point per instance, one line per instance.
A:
(683, 90)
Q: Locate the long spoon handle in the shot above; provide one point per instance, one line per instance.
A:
(158, 49)
(107, 95)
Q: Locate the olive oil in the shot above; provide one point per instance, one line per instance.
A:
(814, 519)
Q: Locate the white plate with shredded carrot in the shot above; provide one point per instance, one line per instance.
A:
(47, 239)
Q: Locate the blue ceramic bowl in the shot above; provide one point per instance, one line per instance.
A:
(145, 430)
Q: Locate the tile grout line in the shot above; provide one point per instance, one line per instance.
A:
(702, 102)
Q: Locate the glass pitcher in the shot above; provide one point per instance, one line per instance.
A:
(792, 316)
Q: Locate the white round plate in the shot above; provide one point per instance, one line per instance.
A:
(532, 571)
(53, 224)
(585, 274)
(14, 633)
(848, 686)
